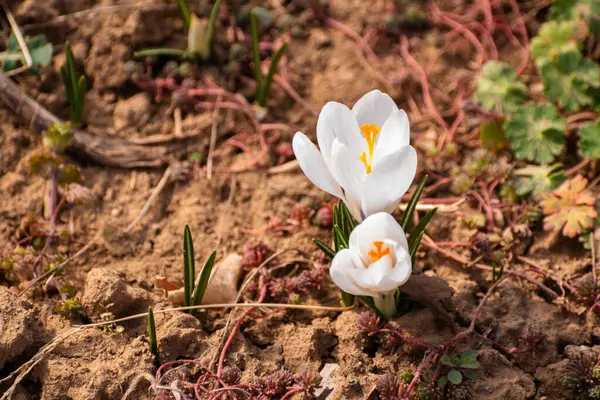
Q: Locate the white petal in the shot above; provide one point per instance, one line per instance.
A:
(340, 271)
(337, 122)
(400, 273)
(390, 179)
(313, 165)
(378, 227)
(350, 172)
(372, 277)
(374, 107)
(394, 135)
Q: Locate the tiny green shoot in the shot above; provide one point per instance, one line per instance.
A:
(194, 289)
(152, 332)
(186, 14)
(263, 85)
(74, 85)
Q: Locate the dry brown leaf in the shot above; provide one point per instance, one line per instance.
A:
(223, 284)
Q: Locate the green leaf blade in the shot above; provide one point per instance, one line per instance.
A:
(189, 269)
(202, 282)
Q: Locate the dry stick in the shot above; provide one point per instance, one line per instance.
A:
(20, 373)
(593, 246)
(161, 185)
(20, 40)
(213, 140)
(105, 151)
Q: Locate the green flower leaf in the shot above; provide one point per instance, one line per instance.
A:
(536, 132)
(447, 360)
(455, 376)
(589, 140)
(39, 48)
(499, 88)
(568, 80)
(554, 38)
(536, 179)
(468, 355)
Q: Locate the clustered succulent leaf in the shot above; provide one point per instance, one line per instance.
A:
(499, 88)
(536, 132)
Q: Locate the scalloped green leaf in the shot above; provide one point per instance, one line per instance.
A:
(568, 79)
(536, 132)
(589, 140)
(554, 38)
(499, 88)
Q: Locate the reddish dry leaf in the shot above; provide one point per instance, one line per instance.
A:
(163, 283)
(570, 208)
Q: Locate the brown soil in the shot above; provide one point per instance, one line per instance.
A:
(118, 273)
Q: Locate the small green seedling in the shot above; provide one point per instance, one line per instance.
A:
(463, 365)
(194, 289)
(200, 36)
(536, 132)
(74, 85)
(554, 38)
(263, 85)
(570, 79)
(538, 179)
(499, 88)
(152, 332)
(13, 57)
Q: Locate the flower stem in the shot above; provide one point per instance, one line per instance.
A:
(386, 303)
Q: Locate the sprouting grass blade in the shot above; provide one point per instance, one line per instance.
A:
(413, 250)
(210, 31)
(202, 281)
(258, 76)
(414, 235)
(159, 51)
(347, 298)
(189, 268)
(152, 332)
(266, 87)
(324, 248)
(412, 203)
(185, 12)
(342, 240)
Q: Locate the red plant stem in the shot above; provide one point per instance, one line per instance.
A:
(346, 30)
(540, 269)
(408, 340)
(404, 51)
(524, 36)
(236, 328)
(440, 182)
(290, 393)
(285, 85)
(488, 15)
(466, 32)
(429, 243)
(573, 170)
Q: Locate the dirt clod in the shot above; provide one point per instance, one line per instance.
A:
(17, 326)
(106, 291)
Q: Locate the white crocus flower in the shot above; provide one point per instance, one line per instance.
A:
(376, 263)
(365, 156)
